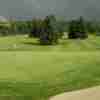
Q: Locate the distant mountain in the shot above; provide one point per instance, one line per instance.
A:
(20, 18)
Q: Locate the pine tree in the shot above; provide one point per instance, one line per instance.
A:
(77, 29)
(49, 34)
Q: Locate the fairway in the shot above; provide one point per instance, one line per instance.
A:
(40, 75)
(23, 43)
(48, 47)
(29, 71)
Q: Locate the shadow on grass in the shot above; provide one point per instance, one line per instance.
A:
(37, 90)
(36, 44)
(12, 90)
(31, 43)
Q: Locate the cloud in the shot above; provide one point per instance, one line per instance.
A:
(68, 8)
(36, 4)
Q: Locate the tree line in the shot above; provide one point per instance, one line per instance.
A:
(50, 29)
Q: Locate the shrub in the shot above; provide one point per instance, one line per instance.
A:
(77, 29)
(36, 28)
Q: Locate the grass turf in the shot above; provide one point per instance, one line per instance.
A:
(23, 43)
(36, 75)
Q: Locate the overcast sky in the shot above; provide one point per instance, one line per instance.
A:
(69, 8)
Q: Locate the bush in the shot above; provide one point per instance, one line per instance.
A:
(36, 28)
(77, 29)
(4, 29)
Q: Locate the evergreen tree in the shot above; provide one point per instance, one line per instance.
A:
(77, 29)
(49, 34)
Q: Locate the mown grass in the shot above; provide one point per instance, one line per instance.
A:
(39, 72)
(20, 43)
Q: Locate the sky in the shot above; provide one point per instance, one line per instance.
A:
(66, 8)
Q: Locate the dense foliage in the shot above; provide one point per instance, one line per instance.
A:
(77, 29)
(36, 28)
(49, 33)
(51, 26)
